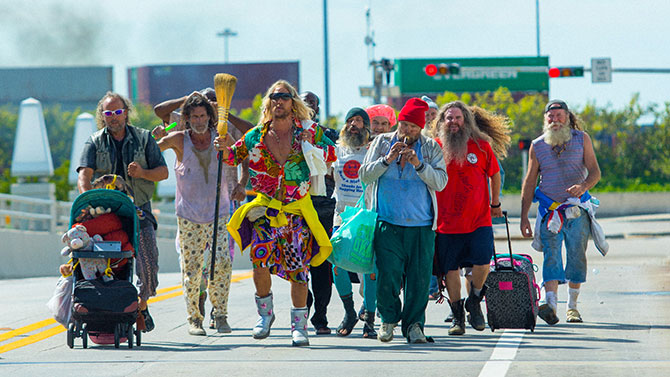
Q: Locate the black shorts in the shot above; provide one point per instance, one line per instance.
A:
(455, 251)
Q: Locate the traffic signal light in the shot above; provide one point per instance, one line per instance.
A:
(566, 72)
(442, 69)
(524, 144)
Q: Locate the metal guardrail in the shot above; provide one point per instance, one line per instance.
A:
(27, 213)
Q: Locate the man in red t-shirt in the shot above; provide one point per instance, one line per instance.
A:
(465, 207)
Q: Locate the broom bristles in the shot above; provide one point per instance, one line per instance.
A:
(224, 86)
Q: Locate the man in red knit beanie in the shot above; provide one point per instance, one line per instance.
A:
(402, 171)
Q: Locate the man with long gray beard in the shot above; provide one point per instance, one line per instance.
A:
(564, 159)
(350, 150)
(196, 173)
(464, 231)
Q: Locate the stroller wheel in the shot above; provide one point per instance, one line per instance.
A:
(70, 335)
(84, 335)
(129, 333)
(117, 335)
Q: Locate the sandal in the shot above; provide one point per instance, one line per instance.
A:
(347, 325)
(323, 330)
(369, 325)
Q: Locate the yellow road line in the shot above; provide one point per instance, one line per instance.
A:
(44, 334)
(32, 338)
(26, 329)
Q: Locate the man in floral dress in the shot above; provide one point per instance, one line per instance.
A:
(280, 227)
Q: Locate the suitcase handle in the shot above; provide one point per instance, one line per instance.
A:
(509, 245)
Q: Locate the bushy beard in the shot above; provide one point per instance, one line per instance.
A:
(353, 140)
(557, 137)
(455, 144)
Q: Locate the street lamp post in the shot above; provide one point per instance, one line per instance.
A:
(226, 33)
(537, 26)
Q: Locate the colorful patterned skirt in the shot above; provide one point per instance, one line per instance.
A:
(286, 250)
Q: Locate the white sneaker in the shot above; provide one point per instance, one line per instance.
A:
(385, 333)
(195, 328)
(415, 334)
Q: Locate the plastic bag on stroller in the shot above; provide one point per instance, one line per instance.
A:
(60, 303)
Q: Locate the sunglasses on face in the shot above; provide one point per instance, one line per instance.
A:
(108, 113)
(278, 96)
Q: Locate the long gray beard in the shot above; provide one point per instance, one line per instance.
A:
(352, 140)
(558, 137)
(455, 145)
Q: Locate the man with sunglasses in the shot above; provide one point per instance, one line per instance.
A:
(130, 152)
(281, 226)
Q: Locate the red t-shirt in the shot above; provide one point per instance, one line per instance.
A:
(464, 204)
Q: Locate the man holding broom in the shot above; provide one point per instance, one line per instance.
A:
(280, 227)
(196, 173)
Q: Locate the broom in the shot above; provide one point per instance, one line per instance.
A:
(224, 86)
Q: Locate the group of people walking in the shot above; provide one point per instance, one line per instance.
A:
(431, 174)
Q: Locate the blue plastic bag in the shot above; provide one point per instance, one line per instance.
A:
(352, 241)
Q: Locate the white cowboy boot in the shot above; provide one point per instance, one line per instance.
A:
(267, 317)
(299, 326)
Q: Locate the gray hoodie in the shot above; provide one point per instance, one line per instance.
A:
(433, 172)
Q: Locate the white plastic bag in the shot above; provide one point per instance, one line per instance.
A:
(317, 168)
(60, 304)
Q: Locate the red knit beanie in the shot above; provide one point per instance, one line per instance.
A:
(414, 111)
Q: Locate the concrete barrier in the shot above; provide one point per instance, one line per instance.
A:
(27, 253)
(33, 254)
(612, 204)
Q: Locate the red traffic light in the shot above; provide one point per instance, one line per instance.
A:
(566, 72)
(524, 144)
(431, 69)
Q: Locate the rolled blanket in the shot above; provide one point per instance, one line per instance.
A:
(103, 224)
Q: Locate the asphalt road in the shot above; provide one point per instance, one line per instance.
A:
(624, 305)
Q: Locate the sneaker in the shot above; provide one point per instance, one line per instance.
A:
(195, 328)
(221, 325)
(574, 316)
(386, 332)
(415, 335)
(148, 321)
(449, 318)
(547, 313)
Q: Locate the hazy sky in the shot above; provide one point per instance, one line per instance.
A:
(126, 33)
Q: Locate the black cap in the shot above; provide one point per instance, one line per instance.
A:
(556, 104)
(358, 111)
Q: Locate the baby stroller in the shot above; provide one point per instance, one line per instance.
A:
(103, 310)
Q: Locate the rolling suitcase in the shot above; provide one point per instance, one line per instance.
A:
(513, 295)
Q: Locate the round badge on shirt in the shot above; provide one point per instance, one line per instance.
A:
(472, 158)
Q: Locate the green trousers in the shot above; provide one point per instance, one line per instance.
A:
(404, 259)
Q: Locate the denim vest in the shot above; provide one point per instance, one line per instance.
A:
(134, 147)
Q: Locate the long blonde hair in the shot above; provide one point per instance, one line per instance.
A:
(497, 127)
(300, 109)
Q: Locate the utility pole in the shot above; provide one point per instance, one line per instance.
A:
(226, 33)
(325, 61)
(376, 73)
(537, 26)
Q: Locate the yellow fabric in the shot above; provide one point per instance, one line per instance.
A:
(302, 207)
(554, 205)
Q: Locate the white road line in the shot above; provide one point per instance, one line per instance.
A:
(503, 354)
